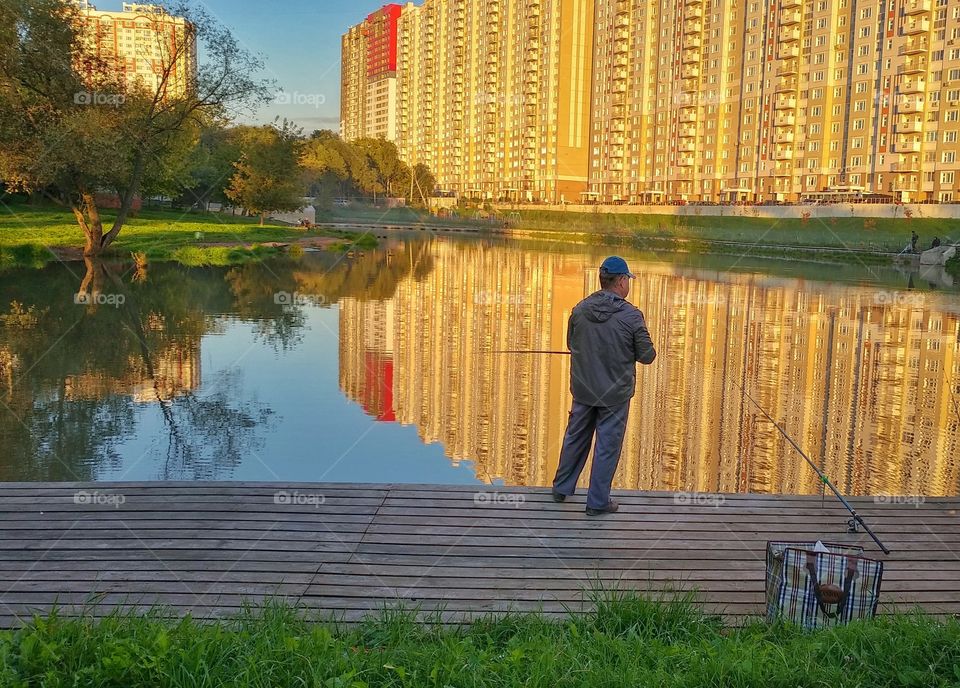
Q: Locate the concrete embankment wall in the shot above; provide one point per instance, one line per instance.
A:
(943, 211)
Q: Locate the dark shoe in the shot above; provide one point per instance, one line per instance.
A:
(557, 497)
(608, 509)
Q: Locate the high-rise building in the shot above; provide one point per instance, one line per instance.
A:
(493, 95)
(368, 94)
(700, 100)
(144, 44)
(681, 100)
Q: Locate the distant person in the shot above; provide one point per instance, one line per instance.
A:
(935, 243)
(913, 241)
(607, 336)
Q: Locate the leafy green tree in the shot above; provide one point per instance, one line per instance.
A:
(268, 174)
(210, 167)
(71, 126)
(379, 168)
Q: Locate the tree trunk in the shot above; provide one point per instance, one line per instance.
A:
(88, 217)
(126, 202)
(261, 219)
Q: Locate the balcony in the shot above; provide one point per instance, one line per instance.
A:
(789, 17)
(692, 27)
(693, 2)
(782, 171)
(912, 85)
(915, 26)
(906, 165)
(692, 41)
(913, 67)
(690, 71)
(790, 34)
(687, 145)
(686, 131)
(907, 146)
(693, 12)
(620, 74)
(784, 119)
(784, 136)
(785, 85)
(788, 68)
(617, 126)
(912, 7)
(785, 103)
(690, 56)
(689, 85)
(783, 154)
(789, 51)
(914, 46)
(910, 104)
(688, 114)
(790, 4)
(909, 126)
(685, 161)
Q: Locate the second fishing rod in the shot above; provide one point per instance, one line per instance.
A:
(856, 520)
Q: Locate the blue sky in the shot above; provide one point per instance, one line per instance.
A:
(300, 44)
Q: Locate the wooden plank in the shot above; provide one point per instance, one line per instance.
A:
(211, 547)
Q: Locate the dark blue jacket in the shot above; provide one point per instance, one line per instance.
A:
(607, 336)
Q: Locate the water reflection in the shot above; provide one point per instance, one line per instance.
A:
(263, 372)
(858, 377)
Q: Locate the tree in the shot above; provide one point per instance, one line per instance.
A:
(210, 167)
(378, 167)
(72, 126)
(268, 174)
(421, 185)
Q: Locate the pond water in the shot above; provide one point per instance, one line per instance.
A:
(380, 367)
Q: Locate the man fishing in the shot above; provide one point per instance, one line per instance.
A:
(607, 336)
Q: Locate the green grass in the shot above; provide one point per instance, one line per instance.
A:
(628, 641)
(31, 235)
(864, 234)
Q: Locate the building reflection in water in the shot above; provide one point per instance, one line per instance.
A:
(859, 378)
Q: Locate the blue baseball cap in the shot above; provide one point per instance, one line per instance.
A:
(615, 265)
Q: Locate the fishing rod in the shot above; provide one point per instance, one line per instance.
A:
(856, 518)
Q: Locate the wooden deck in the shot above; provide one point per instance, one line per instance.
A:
(205, 548)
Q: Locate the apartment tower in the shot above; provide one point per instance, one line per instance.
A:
(652, 101)
(494, 95)
(147, 46)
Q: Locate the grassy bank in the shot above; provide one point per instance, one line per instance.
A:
(883, 235)
(628, 641)
(34, 235)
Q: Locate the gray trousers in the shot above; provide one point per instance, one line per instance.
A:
(609, 425)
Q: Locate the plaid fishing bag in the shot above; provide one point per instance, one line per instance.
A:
(818, 589)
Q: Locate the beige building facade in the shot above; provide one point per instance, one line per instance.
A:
(706, 100)
(147, 46)
(671, 101)
(493, 95)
